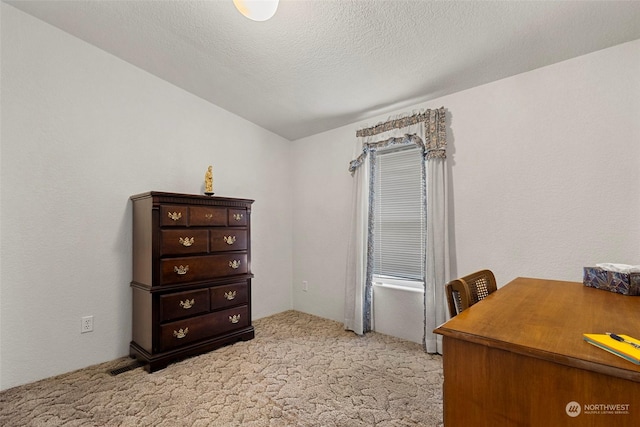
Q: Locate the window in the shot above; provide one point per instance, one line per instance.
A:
(399, 223)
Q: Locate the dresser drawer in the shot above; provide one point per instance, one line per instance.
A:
(230, 319)
(204, 215)
(185, 331)
(197, 328)
(173, 215)
(183, 241)
(228, 295)
(237, 217)
(193, 269)
(228, 239)
(183, 304)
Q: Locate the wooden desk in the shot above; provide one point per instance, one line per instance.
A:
(518, 358)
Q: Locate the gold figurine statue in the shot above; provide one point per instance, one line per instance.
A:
(208, 181)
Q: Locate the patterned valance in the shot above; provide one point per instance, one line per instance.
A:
(435, 130)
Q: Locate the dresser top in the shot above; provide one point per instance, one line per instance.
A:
(164, 197)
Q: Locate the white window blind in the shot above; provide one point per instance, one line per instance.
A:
(399, 224)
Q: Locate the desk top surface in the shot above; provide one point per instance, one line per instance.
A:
(546, 319)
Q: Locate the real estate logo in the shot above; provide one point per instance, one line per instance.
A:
(573, 409)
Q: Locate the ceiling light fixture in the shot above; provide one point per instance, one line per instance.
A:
(257, 10)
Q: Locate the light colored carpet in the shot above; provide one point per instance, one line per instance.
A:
(300, 370)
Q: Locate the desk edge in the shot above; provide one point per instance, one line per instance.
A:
(540, 354)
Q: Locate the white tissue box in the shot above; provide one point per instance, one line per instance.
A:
(621, 283)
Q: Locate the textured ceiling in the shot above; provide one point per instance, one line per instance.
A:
(318, 65)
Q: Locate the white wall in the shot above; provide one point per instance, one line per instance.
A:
(81, 132)
(321, 213)
(544, 171)
(398, 312)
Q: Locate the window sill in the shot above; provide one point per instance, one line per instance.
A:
(399, 287)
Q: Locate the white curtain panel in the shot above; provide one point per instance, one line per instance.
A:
(357, 252)
(437, 253)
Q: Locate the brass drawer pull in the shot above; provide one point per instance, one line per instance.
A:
(235, 318)
(230, 295)
(229, 240)
(181, 333)
(187, 304)
(175, 215)
(234, 264)
(182, 270)
(237, 216)
(208, 216)
(187, 241)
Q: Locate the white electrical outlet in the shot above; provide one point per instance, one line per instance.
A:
(86, 324)
(305, 285)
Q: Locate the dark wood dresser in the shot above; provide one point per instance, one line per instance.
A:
(191, 275)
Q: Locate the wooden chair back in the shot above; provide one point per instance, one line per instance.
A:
(457, 293)
(462, 293)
